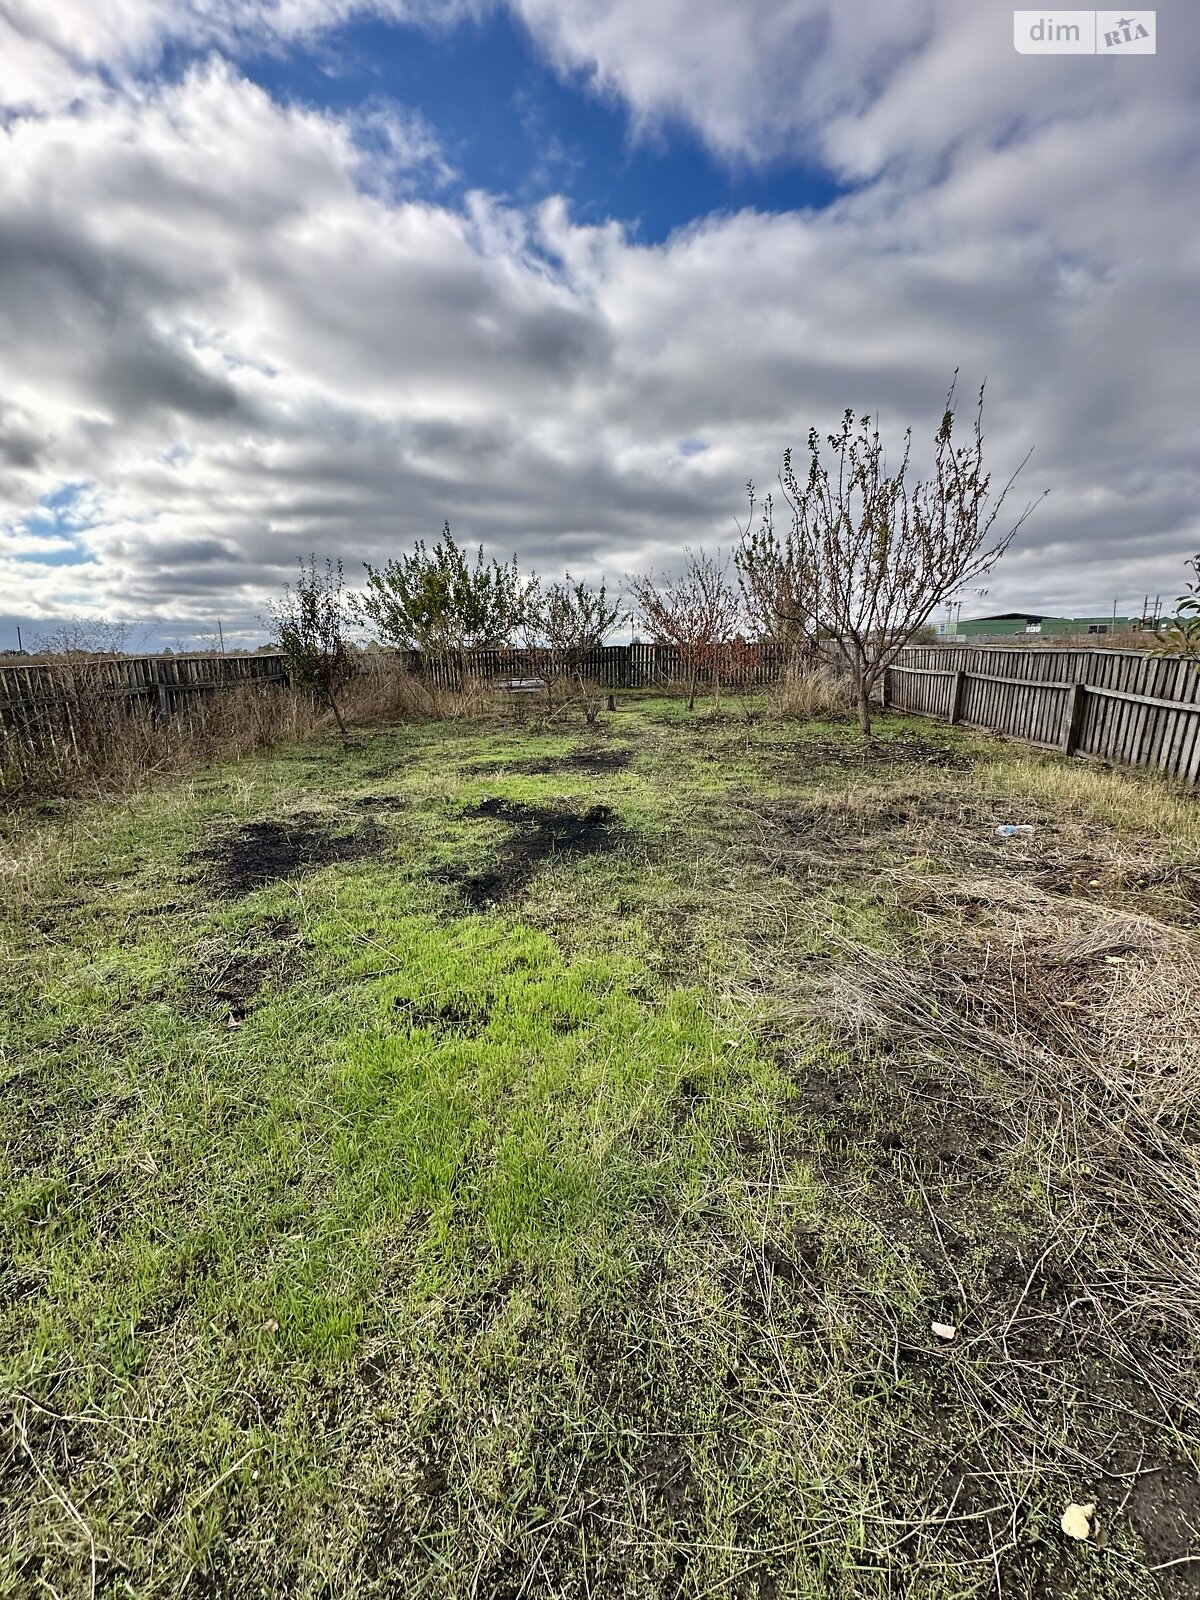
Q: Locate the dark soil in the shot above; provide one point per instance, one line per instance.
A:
(264, 852)
(378, 802)
(875, 755)
(597, 762)
(847, 750)
(1164, 1509)
(231, 981)
(456, 1017)
(539, 833)
(871, 756)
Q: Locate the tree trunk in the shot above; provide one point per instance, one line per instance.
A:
(333, 706)
(864, 708)
(692, 691)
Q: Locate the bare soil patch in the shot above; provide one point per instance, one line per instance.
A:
(378, 802)
(842, 751)
(229, 980)
(596, 761)
(259, 853)
(877, 755)
(460, 1016)
(539, 834)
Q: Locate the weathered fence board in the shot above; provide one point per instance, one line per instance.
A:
(1125, 707)
(135, 677)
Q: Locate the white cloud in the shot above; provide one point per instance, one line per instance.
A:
(52, 54)
(239, 321)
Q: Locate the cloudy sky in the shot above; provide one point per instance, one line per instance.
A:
(280, 276)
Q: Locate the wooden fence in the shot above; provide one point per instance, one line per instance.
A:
(1125, 707)
(612, 666)
(46, 698)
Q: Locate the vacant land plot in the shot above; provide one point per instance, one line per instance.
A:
(504, 1163)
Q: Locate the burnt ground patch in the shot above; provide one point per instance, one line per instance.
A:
(595, 761)
(378, 802)
(228, 979)
(259, 853)
(538, 834)
(878, 754)
(881, 755)
(841, 751)
(460, 1016)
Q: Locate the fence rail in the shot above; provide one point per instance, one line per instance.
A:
(1124, 707)
(166, 679)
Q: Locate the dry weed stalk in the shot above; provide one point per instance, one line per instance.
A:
(1068, 1028)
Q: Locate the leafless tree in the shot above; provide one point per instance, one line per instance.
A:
(96, 637)
(871, 553)
(309, 621)
(697, 612)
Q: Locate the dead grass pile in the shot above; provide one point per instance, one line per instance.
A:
(1114, 990)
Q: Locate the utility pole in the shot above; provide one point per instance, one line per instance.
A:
(20, 646)
(221, 635)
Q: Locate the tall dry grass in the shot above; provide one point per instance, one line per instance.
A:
(87, 743)
(810, 689)
(383, 691)
(90, 743)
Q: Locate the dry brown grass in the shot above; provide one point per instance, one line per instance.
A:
(383, 692)
(807, 691)
(1091, 1016)
(94, 744)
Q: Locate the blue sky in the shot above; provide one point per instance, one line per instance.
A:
(508, 123)
(317, 276)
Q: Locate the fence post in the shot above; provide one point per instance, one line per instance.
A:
(886, 692)
(956, 695)
(163, 706)
(1072, 719)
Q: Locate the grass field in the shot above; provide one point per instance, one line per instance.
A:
(505, 1161)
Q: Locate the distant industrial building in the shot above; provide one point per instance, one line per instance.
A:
(1031, 624)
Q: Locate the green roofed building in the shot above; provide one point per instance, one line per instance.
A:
(1029, 624)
